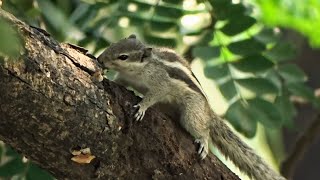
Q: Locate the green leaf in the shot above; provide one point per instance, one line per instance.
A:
(259, 86)
(301, 90)
(84, 16)
(162, 26)
(137, 19)
(287, 110)
(11, 153)
(12, 167)
(57, 19)
(1, 151)
(33, 13)
(94, 27)
(102, 2)
(281, 52)
(265, 112)
(11, 42)
(239, 115)
(246, 47)
(244, 116)
(173, 1)
(217, 72)
(206, 52)
(291, 73)
(316, 103)
(237, 25)
(302, 16)
(207, 37)
(36, 173)
(79, 16)
(215, 2)
(168, 11)
(141, 6)
(223, 9)
(253, 64)
(273, 76)
(219, 3)
(171, 42)
(84, 42)
(101, 44)
(267, 36)
(228, 89)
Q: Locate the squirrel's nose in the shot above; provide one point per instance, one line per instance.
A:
(103, 62)
(100, 62)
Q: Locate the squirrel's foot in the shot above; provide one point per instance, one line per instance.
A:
(140, 112)
(203, 148)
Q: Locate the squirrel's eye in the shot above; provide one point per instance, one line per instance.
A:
(123, 57)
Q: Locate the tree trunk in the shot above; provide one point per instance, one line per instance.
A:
(50, 105)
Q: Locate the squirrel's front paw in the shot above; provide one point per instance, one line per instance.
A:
(140, 112)
(203, 148)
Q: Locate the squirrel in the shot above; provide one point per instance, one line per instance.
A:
(161, 75)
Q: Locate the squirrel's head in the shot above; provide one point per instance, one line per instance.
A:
(124, 54)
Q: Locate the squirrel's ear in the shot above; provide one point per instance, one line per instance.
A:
(132, 36)
(146, 53)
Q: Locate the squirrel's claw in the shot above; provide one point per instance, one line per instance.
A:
(203, 149)
(140, 113)
(201, 146)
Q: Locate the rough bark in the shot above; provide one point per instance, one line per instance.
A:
(50, 105)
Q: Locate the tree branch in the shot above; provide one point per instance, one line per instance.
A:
(303, 143)
(50, 105)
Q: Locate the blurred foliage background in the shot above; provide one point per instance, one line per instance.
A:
(237, 49)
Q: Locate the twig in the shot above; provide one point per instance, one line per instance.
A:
(304, 141)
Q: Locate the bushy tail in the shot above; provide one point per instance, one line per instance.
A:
(242, 156)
